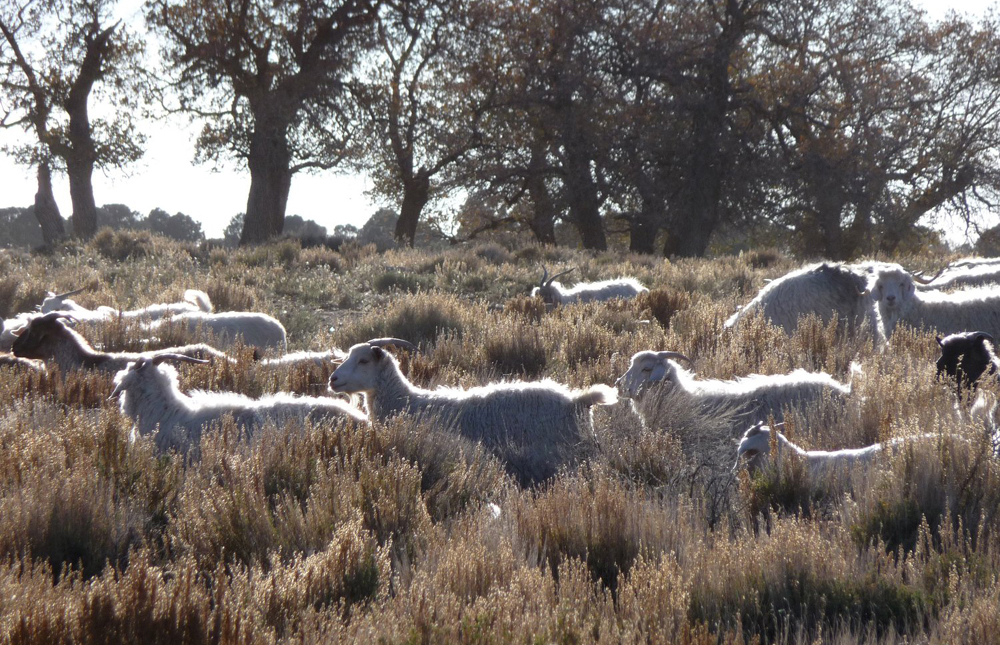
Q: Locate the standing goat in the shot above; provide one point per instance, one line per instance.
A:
(535, 428)
(753, 398)
(151, 397)
(897, 300)
(822, 289)
(46, 337)
(553, 293)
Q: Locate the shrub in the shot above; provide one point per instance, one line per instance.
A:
(122, 245)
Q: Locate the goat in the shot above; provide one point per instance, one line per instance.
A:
(194, 300)
(755, 447)
(824, 289)
(534, 427)
(9, 360)
(897, 300)
(305, 358)
(151, 397)
(753, 398)
(553, 293)
(973, 275)
(966, 357)
(255, 329)
(47, 337)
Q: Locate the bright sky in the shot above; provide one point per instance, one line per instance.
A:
(167, 178)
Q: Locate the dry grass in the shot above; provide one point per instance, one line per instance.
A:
(384, 533)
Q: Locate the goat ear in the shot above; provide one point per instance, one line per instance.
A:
(939, 341)
(378, 353)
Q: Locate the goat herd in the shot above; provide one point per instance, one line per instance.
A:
(536, 427)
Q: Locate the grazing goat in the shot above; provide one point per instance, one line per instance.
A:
(755, 447)
(897, 301)
(553, 293)
(822, 289)
(194, 300)
(46, 337)
(753, 398)
(255, 329)
(151, 397)
(535, 428)
(966, 357)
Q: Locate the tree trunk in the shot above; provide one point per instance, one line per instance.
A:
(270, 181)
(709, 157)
(79, 156)
(581, 193)
(80, 169)
(543, 221)
(699, 204)
(416, 194)
(46, 209)
(81, 153)
(642, 232)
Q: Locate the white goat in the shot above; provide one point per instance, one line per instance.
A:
(753, 398)
(46, 337)
(320, 358)
(151, 397)
(256, 329)
(553, 293)
(9, 360)
(8, 326)
(897, 300)
(755, 446)
(194, 300)
(535, 428)
(964, 276)
(985, 411)
(822, 289)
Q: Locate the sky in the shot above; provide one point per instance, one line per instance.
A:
(167, 177)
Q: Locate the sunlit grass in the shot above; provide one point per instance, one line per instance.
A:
(387, 533)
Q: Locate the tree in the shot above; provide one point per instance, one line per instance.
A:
(60, 54)
(545, 135)
(880, 119)
(306, 229)
(269, 80)
(233, 229)
(421, 112)
(20, 228)
(118, 217)
(178, 226)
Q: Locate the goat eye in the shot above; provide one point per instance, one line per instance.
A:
(363, 361)
(647, 369)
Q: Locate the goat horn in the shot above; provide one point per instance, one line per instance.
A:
(918, 277)
(676, 355)
(982, 335)
(545, 274)
(53, 316)
(552, 279)
(393, 342)
(180, 358)
(71, 293)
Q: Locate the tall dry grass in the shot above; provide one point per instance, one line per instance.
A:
(386, 533)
